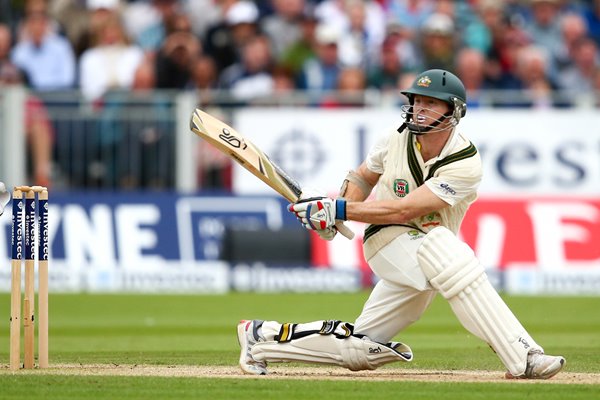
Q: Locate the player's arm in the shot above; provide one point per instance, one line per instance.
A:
(358, 184)
(421, 201)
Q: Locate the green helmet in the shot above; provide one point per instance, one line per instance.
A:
(442, 85)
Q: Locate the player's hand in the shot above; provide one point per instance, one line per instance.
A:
(4, 197)
(327, 234)
(319, 213)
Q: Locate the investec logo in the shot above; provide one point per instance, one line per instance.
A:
(44, 233)
(18, 233)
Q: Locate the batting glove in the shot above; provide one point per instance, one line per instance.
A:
(319, 213)
(327, 234)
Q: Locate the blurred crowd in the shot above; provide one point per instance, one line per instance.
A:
(260, 48)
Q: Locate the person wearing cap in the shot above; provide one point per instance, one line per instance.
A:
(225, 39)
(425, 175)
(438, 42)
(321, 72)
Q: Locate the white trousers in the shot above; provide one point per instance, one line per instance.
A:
(402, 294)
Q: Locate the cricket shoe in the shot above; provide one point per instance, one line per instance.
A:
(248, 336)
(540, 366)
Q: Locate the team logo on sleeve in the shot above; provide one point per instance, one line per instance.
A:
(401, 187)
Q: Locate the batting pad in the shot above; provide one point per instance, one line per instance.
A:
(352, 352)
(452, 269)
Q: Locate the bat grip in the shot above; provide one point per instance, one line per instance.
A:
(344, 230)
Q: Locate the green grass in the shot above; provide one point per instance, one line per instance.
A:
(200, 330)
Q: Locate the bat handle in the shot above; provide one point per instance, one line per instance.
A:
(344, 230)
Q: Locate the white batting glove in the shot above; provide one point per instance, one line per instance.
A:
(319, 213)
(327, 234)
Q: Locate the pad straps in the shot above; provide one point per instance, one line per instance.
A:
(339, 329)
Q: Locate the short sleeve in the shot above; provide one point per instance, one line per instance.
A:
(375, 158)
(457, 181)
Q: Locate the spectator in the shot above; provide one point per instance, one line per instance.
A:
(336, 13)
(304, 48)
(400, 38)
(238, 25)
(204, 79)
(39, 134)
(97, 15)
(438, 43)
(410, 14)
(487, 24)
(46, 58)
(501, 68)
(579, 77)
(470, 68)
(573, 29)
(251, 77)
(179, 51)
(321, 72)
(533, 79)
(358, 44)
(385, 75)
(111, 63)
(152, 37)
(284, 27)
(349, 91)
(544, 28)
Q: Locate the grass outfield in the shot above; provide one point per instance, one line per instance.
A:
(177, 331)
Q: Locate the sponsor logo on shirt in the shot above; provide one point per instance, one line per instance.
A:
(401, 187)
(447, 189)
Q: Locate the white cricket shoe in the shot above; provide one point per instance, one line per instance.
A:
(247, 333)
(540, 366)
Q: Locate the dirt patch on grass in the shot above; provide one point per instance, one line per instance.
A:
(301, 372)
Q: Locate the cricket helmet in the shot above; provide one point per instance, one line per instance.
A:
(442, 85)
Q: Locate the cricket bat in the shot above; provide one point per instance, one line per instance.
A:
(242, 150)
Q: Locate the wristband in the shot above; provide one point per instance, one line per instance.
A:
(340, 209)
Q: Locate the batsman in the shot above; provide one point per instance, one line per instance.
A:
(425, 175)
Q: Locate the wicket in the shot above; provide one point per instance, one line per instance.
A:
(27, 211)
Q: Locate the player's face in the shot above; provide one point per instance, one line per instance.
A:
(428, 109)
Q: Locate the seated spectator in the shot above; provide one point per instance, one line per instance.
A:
(177, 55)
(579, 77)
(151, 38)
(111, 63)
(238, 24)
(358, 45)
(573, 29)
(45, 57)
(204, 79)
(284, 26)
(39, 134)
(544, 29)
(350, 90)
(470, 68)
(533, 80)
(304, 48)
(251, 77)
(320, 73)
(410, 14)
(438, 42)
(385, 75)
(481, 31)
